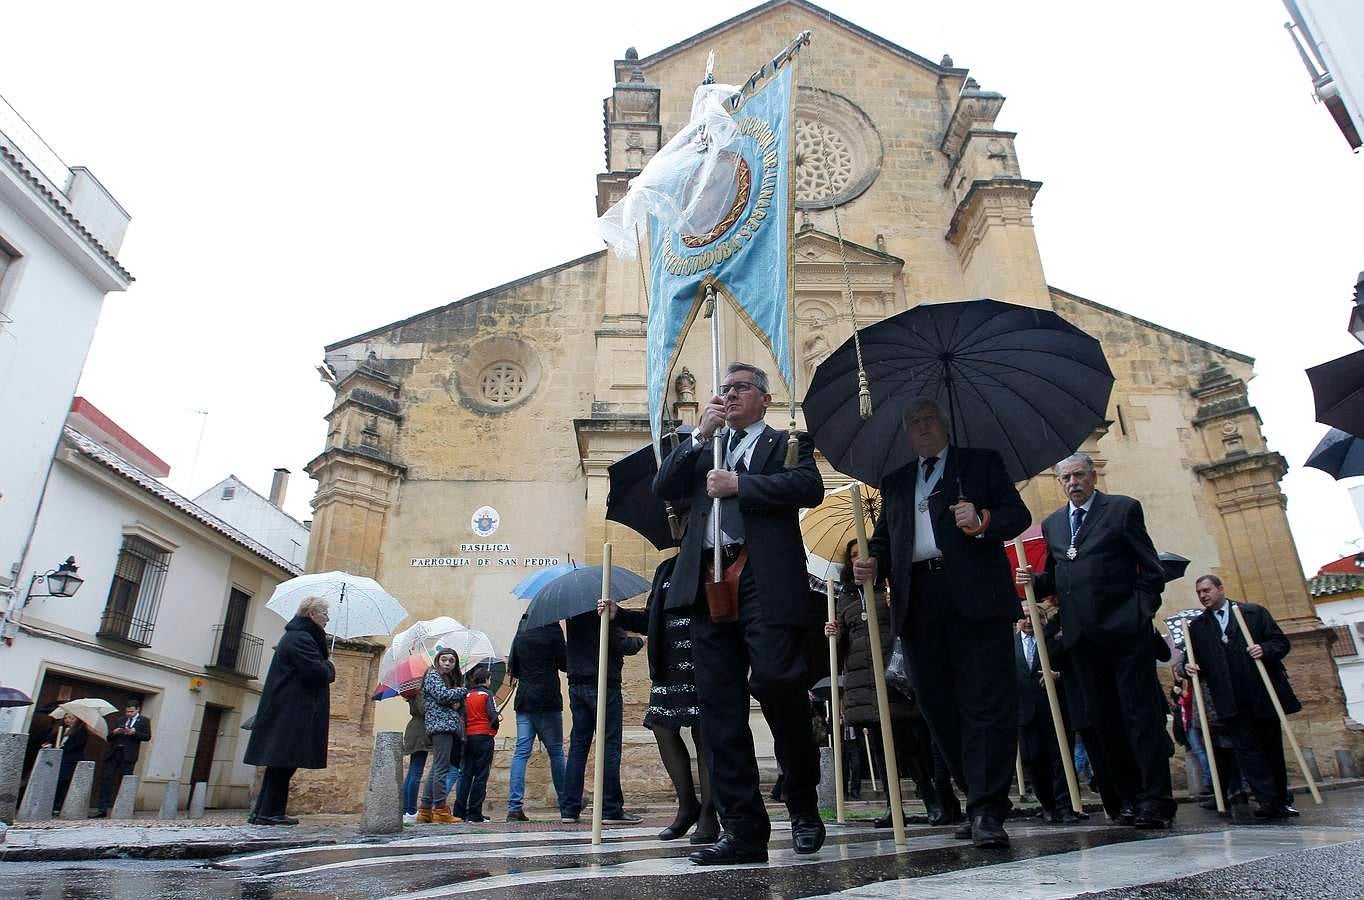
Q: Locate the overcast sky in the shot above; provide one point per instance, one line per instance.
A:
(301, 172)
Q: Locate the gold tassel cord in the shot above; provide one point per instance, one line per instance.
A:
(792, 445)
(863, 388)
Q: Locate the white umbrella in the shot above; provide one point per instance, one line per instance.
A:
(359, 606)
(90, 710)
(443, 631)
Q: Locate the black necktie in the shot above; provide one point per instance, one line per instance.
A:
(735, 437)
(928, 467)
(731, 520)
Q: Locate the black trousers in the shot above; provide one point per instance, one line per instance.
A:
(733, 660)
(1257, 745)
(964, 680)
(274, 791)
(114, 770)
(1117, 679)
(1103, 779)
(1041, 756)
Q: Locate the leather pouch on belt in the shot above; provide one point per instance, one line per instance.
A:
(722, 597)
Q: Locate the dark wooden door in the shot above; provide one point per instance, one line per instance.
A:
(234, 623)
(208, 743)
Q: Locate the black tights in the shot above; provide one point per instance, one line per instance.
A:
(677, 762)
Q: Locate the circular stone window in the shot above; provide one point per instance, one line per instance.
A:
(838, 151)
(502, 383)
(497, 374)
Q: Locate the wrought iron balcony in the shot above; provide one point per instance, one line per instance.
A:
(236, 652)
(121, 625)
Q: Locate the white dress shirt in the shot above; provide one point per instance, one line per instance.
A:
(743, 451)
(925, 542)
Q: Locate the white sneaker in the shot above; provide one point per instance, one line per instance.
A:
(409, 818)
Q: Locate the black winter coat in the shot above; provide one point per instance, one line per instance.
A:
(537, 657)
(584, 630)
(854, 652)
(295, 703)
(1229, 674)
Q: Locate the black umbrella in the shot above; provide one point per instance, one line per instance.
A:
(1339, 454)
(1338, 388)
(577, 591)
(1015, 379)
(14, 697)
(631, 501)
(1173, 565)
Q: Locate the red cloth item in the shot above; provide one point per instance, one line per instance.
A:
(476, 720)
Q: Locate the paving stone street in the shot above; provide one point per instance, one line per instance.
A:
(1321, 855)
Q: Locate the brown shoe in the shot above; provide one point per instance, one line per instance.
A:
(423, 815)
(442, 817)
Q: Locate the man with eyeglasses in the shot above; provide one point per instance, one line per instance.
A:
(760, 652)
(944, 519)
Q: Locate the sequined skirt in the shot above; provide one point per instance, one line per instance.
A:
(672, 699)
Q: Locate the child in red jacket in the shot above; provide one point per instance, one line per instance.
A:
(481, 721)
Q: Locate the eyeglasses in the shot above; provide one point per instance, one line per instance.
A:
(738, 387)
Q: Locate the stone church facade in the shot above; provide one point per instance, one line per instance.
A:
(518, 398)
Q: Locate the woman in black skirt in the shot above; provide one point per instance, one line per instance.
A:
(673, 705)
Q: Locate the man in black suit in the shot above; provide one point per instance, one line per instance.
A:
(125, 745)
(1245, 713)
(1103, 570)
(1037, 733)
(759, 536)
(943, 522)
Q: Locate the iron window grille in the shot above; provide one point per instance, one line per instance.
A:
(135, 594)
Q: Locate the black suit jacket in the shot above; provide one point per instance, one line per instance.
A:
(128, 746)
(770, 499)
(536, 658)
(1032, 696)
(978, 573)
(1229, 673)
(1111, 590)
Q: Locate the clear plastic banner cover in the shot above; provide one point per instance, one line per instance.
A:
(687, 185)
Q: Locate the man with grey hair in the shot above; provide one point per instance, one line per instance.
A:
(1103, 570)
(750, 625)
(940, 539)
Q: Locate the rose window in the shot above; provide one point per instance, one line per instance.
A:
(502, 383)
(824, 162)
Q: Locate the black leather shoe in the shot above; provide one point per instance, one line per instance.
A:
(98, 814)
(1210, 803)
(1069, 817)
(963, 832)
(1271, 812)
(883, 821)
(728, 851)
(807, 834)
(1126, 817)
(707, 829)
(681, 824)
(1149, 819)
(1291, 810)
(988, 833)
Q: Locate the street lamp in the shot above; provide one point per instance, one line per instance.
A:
(61, 581)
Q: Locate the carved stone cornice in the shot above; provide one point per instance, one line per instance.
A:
(976, 109)
(1269, 462)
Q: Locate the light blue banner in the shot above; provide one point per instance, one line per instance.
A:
(747, 252)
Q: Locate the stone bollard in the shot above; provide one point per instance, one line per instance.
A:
(384, 794)
(77, 802)
(1311, 759)
(125, 804)
(42, 787)
(825, 794)
(170, 802)
(12, 748)
(1345, 765)
(198, 799)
